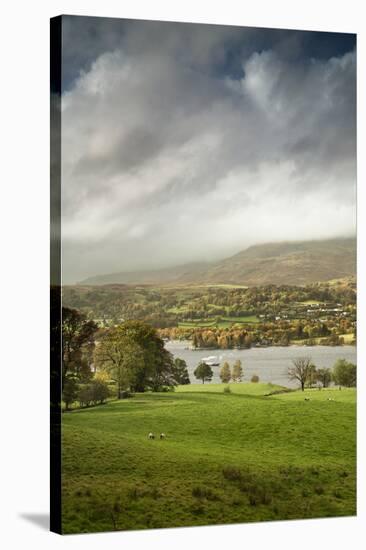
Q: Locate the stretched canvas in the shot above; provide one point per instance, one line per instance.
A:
(203, 274)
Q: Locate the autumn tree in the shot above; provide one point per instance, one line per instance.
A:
(237, 374)
(118, 356)
(301, 370)
(225, 373)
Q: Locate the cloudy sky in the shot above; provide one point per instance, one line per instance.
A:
(185, 143)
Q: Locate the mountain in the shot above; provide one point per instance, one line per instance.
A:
(293, 262)
(157, 276)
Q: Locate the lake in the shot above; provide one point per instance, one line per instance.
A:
(270, 364)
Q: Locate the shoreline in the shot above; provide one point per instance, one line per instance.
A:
(313, 345)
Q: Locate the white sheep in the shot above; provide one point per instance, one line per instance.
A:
(151, 435)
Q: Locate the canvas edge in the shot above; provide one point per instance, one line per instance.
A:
(55, 273)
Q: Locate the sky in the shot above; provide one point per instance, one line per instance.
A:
(185, 143)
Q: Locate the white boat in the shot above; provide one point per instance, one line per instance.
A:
(212, 361)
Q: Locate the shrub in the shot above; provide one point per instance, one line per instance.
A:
(253, 500)
(117, 507)
(197, 492)
(203, 492)
(231, 473)
(95, 392)
(198, 510)
(227, 389)
(85, 396)
(165, 389)
(155, 493)
(100, 391)
(255, 378)
(133, 493)
(124, 394)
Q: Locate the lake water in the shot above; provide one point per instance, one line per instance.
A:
(270, 364)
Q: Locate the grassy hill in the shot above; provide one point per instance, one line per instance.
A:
(227, 458)
(295, 263)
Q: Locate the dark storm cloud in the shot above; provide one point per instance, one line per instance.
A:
(190, 142)
(86, 38)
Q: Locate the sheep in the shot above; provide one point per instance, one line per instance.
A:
(151, 435)
(307, 398)
(162, 436)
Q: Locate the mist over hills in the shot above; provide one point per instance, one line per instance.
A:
(292, 262)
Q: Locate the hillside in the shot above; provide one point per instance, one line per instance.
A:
(227, 458)
(158, 276)
(291, 263)
(295, 263)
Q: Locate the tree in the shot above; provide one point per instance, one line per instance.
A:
(99, 390)
(69, 391)
(77, 340)
(312, 376)
(344, 373)
(225, 373)
(119, 356)
(324, 376)
(85, 395)
(285, 339)
(156, 369)
(180, 371)
(95, 392)
(203, 372)
(301, 370)
(135, 357)
(237, 373)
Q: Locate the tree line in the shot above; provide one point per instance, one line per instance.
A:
(165, 307)
(269, 333)
(132, 358)
(307, 374)
(131, 355)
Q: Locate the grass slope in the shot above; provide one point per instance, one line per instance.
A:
(228, 458)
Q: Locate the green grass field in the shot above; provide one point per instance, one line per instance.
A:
(224, 322)
(227, 458)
